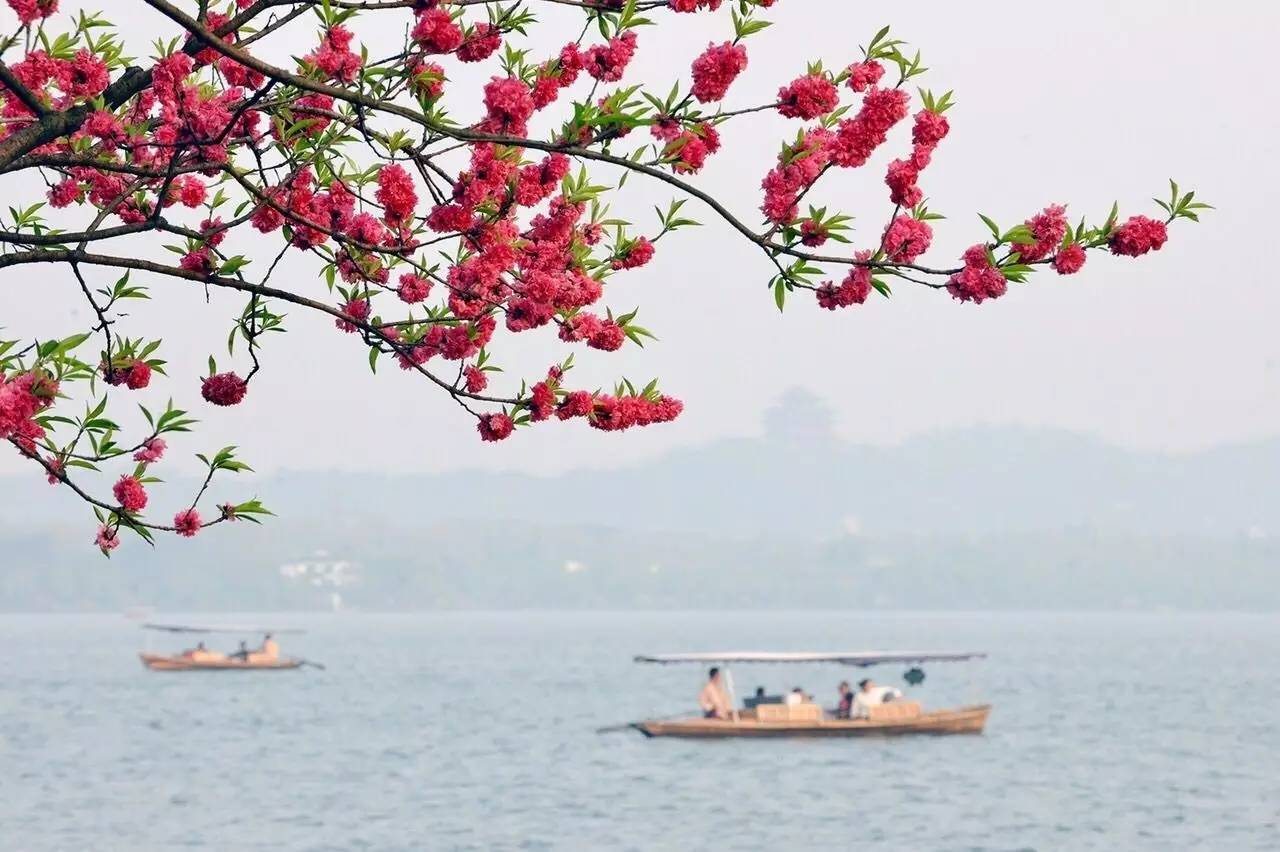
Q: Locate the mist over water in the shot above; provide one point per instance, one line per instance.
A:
(476, 731)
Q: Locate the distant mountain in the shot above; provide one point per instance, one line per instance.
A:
(996, 516)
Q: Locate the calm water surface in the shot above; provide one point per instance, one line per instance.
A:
(476, 731)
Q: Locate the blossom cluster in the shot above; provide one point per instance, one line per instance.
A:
(438, 220)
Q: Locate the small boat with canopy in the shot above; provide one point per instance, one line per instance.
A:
(264, 658)
(807, 719)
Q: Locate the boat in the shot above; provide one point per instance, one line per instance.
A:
(180, 663)
(200, 659)
(806, 719)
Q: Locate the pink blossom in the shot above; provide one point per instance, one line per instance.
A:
(906, 239)
(608, 336)
(192, 191)
(199, 261)
(436, 32)
(224, 389)
(575, 404)
(615, 414)
(30, 11)
(413, 288)
(334, 56)
(798, 167)
(930, 128)
(853, 290)
(495, 427)
(22, 397)
(66, 192)
(484, 40)
(266, 218)
(151, 452)
(187, 523)
(542, 401)
(1048, 227)
(979, 280)
(716, 69)
(427, 80)
(808, 97)
(130, 494)
(476, 379)
(813, 234)
(857, 138)
(636, 255)
(396, 193)
(695, 5)
(509, 106)
(1138, 236)
(901, 179)
(139, 375)
(864, 75)
(108, 539)
(355, 310)
(87, 75)
(690, 148)
(607, 62)
(1070, 259)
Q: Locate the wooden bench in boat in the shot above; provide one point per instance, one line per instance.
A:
(894, 710)
(766, 713)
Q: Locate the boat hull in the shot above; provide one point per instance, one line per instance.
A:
(961, 720)
(161, 663)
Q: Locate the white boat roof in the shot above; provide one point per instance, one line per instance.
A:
(218, 628)
(848, 658)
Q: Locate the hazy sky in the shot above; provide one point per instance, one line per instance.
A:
(1175, 351)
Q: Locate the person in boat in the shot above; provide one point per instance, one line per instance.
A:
(242, 653)
(269, 650)
(194, 653)
(869, 695)
(797, 696)
(844, 708)
(712, 700)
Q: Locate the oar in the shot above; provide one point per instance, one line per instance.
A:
(313, 665)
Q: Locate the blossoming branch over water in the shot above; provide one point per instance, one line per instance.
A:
(434, 235)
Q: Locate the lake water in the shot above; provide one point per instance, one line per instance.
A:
(477, 731)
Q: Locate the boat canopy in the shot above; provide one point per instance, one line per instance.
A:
(847, 658)
(218, 628)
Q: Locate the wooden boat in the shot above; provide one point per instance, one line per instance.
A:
(180, 663)
(199, 659)
(893, 718)
(961, 720)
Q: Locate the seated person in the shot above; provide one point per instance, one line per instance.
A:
(242, 653)
(761, 697)
(869, 695)
(845, 706)
(796, 696)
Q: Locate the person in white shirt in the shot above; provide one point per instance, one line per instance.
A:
(796, 696)
(869, 695)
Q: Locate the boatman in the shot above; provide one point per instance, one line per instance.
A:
(712, 700)
(270, 649)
